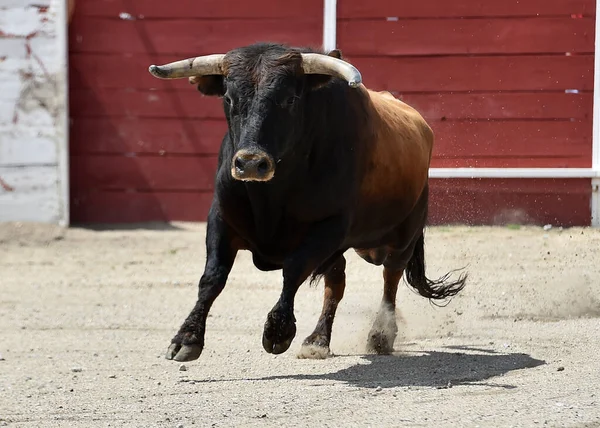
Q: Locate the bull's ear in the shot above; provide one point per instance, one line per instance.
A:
(211, 85)
(336, 53)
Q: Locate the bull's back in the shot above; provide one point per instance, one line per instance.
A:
(399, 153)
(396, 165)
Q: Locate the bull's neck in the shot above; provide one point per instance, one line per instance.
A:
(265, 200)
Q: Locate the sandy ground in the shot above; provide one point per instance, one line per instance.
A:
(86, 316)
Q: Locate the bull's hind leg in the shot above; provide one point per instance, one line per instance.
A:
(317, 344)
(384, 330)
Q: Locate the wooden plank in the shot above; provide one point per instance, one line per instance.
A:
(458, 143)
(560, 202)
(29, 193)
(188, 103)
(512, 144)
(22, 21)
(497, 73)
(26, 3)
(32, 109)
(187, 37)
(185, 102)
(145, 135)
(531, 105)
(413, 74)
(161, 173)
(466, 36)
(475, 202)
(26, 146)
(41, 206)
(463, 8)
(22, 179)
(512, 161)
(128, 207)
(7, 112)
(148, 9)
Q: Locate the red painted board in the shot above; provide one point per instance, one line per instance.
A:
(130, 207)
(463, 8)
(122, 71)
(511, 161)
(466, 36)
(495, 73)
(474, 202)
(188, 103)
(520, 105)
(411, 74)
(148, 9)
(560, 202)
(160, 173)
(512, 144)
(458, 143)
(145, 135)
(187, 37)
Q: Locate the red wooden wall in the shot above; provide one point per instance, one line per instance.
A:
(494, 78)
(143, 149)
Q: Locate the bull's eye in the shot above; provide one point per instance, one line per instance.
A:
(230, 104)
(288, 101)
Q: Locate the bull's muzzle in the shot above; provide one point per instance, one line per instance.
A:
(252, 165)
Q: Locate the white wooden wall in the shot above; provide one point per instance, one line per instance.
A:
(33, 111)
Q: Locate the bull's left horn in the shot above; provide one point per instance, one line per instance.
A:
(324, 64)
(199, 66)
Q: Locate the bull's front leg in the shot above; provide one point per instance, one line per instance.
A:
(322, 241)
(188, 343)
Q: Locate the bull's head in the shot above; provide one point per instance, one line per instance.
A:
(264, 89)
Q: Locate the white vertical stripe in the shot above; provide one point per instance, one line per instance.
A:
(596, 130)
(62, 52)
(329, 24)
(596, 135)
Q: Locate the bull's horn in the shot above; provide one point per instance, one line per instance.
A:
(199, 66)
(324, 64)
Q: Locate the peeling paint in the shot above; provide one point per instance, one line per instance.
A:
(21, 22)
(41, 97)
(6, 186)
(33, 111)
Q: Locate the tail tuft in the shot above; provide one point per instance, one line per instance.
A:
(438, 289)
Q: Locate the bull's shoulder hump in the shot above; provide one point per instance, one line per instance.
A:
(397, 114)
(384, 100)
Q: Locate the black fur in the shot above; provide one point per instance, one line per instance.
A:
(318, 131)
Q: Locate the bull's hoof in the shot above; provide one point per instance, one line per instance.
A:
(313, 352)
(380, 343)
(318, 340)
(279, 331)
(182, 353)
(276, 348)
(315, 347)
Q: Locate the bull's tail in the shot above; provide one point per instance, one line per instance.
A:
(438, 289)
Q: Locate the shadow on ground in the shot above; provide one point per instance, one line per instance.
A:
(429, 369)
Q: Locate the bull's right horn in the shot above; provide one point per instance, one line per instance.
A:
(313, 63)
(199, 66)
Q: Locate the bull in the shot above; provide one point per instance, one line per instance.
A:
(313, 164)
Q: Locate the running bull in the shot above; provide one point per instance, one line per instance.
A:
(312, 164)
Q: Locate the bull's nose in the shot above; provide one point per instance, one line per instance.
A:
(252, 166)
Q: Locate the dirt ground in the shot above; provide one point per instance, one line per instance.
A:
(86, 316)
